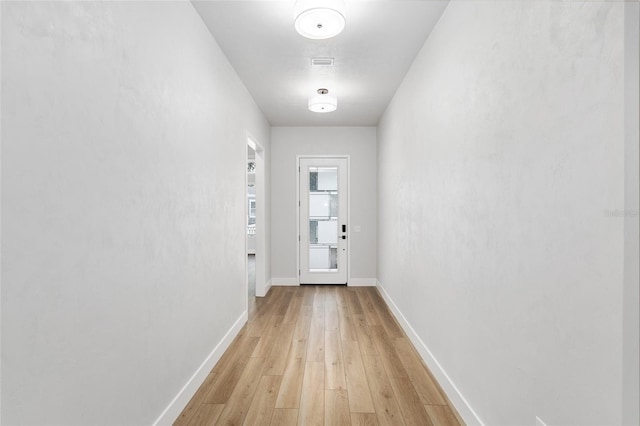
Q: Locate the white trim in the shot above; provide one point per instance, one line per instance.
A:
(285, 281)
(362, 282)
(245, 289)
(268, 287)
(540, 422)
(297, 218)
(349, 220)
(175, 407)
(455, 396)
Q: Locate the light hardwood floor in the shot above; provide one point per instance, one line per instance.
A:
(320, 355)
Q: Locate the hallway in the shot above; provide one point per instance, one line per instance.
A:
(491, 194)
(320, 355)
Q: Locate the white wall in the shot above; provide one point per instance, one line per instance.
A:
(498, 159)
(123, 202)
(631, 307)
(286, 144)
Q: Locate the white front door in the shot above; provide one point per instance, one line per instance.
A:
(323, 220)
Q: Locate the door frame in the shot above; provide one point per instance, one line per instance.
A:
(297, 242)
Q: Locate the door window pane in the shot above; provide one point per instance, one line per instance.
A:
(323, 259)
(320, 205)
(323, 221)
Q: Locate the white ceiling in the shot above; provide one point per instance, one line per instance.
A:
(372, 55)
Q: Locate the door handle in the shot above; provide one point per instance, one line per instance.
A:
(344, 237)
(344, 228)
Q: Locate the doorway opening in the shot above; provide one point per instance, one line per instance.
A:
(255, 269)
(251, 226)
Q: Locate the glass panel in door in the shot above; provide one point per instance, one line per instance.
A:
(323, 219)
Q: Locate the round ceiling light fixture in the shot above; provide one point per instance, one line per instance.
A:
(323, 102)
(319, 19)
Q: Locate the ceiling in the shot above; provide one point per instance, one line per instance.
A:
(372, 55)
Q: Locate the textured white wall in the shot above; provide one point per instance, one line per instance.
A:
(497, 161)
(631, 307)
(123, 161)
(286, 144)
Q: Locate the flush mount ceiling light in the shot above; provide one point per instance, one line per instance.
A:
(319, 19)
(323, 102)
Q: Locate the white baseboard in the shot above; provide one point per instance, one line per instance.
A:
(362, 282)
(175, 407)
(459, 402)
(285, 281)
(267, 287)
(353, 282)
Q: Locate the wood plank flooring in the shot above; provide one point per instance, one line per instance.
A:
(320, 355)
